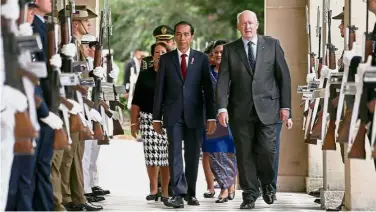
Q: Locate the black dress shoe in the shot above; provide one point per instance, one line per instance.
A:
(209, 194)
(192, 201)
(98, 191)
(268, 194)
(93, 198)
(73, 207)
(90, 207)
(247, 204)
(175, 202)
(154, 197)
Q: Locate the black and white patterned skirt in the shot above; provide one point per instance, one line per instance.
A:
(155, 145)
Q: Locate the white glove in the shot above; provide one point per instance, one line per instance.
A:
(99, 72)
(25, 29)
(53, 121)
(95, 115)
(10, 10)
(56, 60)
(76, 107)
(324, 71)
(62, 107)
(24, 59)
(14, 98)
(289, 123)
(69, 49)
(310, 77)
(115, 71)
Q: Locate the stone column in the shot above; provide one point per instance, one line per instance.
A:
(360, 175)
(285, 20)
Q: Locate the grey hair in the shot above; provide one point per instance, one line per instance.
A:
(245, 11)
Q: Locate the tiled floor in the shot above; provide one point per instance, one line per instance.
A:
(122, 171)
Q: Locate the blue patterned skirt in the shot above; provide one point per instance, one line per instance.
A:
(221, 149)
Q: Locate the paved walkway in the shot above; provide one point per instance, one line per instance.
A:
(122, 171)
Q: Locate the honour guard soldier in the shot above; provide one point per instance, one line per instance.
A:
(88, 45)
(162, 33)
(18, 103)
(91, 152)
(72, 183)
(132, 68)
(30, 185)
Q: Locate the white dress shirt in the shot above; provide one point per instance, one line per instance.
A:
(186, 58)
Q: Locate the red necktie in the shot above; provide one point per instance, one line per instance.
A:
(183, 65)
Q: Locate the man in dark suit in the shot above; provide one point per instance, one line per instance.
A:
(181, 77)
(254, 69)
(130, 65)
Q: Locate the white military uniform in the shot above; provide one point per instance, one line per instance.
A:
(91, 152)
(7, 138)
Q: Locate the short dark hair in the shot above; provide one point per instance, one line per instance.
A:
(209, 48)
(154, 45)
(185, 23)
(219, 42)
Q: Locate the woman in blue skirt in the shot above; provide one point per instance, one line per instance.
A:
(220, 146)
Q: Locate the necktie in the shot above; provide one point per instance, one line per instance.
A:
(251, 57)
(183, 65)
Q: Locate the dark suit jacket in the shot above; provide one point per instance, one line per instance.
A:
(127, 71)
(175, 97)
(40, 28)
(268, 88)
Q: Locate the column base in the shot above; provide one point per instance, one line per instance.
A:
(313, 183)
(331, 199)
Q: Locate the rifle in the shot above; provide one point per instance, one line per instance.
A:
(98, 132)
(314, 129)
(61, 139)
(334, 80)
(24, 131)
(69, 78)
(356, 148)
(314, 104)
(311, 66)
(117, 128)
(344, 128)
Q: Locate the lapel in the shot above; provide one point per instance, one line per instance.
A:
(243, 55)
(190, 64)
(260, 52)
(177, 64)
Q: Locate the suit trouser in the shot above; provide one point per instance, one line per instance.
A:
(183, 184)
(6, 151)
(255, 152)
(43, 195)
(72, 182)
(56, 179)
(20, 194)
(89, 165)
(276, 159)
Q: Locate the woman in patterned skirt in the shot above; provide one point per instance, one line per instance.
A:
(220, 146)
(155, 145)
